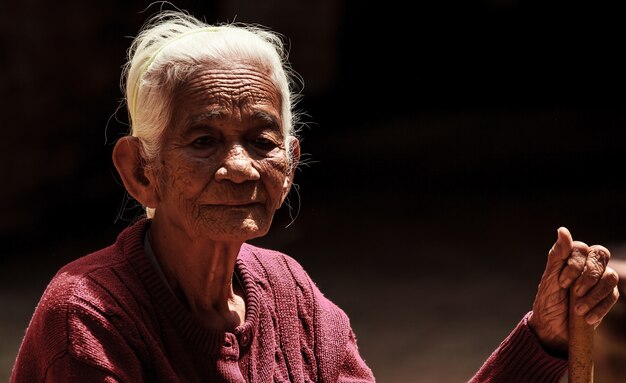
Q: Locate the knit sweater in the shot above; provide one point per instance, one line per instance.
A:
(111, 317)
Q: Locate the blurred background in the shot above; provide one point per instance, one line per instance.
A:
(445, 143)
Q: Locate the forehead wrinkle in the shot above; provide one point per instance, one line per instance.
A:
(216, 93)
(234, 81)
(237, 74)
(223, 98)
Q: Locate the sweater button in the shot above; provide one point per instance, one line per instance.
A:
(245, 339)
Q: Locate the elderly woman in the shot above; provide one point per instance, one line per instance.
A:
(181, 297)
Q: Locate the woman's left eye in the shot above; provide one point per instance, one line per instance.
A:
(264, 143)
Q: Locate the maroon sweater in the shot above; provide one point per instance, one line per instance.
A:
(110, 317)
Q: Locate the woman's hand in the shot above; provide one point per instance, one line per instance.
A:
(572, 264)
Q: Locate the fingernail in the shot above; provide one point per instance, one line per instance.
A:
(564, 282)
(578, 291)
(581, 308)
(592, 319)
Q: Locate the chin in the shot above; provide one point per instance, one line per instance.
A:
(222, 224)
(256, 229)
(240, 231)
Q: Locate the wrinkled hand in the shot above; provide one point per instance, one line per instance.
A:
(572, 264)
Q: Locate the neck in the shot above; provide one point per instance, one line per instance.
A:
(200, 271)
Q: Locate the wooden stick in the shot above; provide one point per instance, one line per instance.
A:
(580, 346)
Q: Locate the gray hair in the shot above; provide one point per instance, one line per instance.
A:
(172, 46)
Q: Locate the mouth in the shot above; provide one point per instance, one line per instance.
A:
(235, 204)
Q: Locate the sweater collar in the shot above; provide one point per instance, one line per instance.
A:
(130, 241)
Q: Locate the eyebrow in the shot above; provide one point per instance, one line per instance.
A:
(268, 119)
(215, 114)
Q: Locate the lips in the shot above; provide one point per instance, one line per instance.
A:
(235, 203)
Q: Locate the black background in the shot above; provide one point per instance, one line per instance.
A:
(444, 144)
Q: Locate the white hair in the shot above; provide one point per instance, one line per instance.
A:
(172, 46)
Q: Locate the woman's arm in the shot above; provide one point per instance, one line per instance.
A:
(521, 358)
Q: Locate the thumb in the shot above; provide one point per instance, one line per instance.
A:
(561, 249)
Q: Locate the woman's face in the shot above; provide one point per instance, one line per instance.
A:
(223, 168)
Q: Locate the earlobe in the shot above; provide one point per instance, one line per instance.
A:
(129, 163)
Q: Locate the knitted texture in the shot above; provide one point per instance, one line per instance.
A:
(110, 317)
(520, 358)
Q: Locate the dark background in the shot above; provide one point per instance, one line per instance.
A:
(444, 145)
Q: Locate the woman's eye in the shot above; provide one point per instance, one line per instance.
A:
(264, 143)
(203, 141)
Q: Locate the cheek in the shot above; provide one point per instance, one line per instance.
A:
(186, 177)
(275, 171)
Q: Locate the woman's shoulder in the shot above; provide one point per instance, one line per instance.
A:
(291, 286)
(101, 283)
(88, 264)
(281, 271)
(97, 264)
(86, 307)
(272, 262)
(94, 282)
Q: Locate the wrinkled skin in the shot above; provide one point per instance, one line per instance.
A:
(572, 264)
(223, 167)
(221, 173)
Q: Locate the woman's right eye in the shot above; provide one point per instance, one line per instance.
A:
(203, 141)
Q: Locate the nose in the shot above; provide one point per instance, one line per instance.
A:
(237, 167)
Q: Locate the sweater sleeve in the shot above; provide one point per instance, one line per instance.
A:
(521, 358)
(354, 369)
(71, 339)
(68, 369)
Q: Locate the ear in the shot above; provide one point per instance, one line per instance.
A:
(294, 149)
(130, 164)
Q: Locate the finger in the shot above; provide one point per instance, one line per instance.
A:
(559, 251)
(595, 315)
(606, 286)
(563, 245)
(595, 265)
(575, 264)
